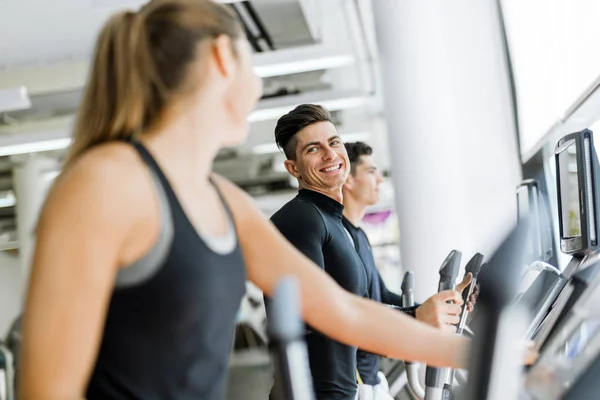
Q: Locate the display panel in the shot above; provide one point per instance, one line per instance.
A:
(569, 192)
(524, 212)
(523, 201)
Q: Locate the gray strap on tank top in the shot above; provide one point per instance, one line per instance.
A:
(147, 266)
(221, 244)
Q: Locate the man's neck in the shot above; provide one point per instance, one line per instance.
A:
(353, 211)
(334, 193)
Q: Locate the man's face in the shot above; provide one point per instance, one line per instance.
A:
(363, 186)
(321, 158)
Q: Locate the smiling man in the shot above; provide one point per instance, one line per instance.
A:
(312, 222)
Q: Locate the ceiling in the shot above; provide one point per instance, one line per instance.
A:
(319, 52)
(65, 30)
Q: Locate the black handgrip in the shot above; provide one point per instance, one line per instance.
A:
(449, 270)
(285, 322)
(408, 282)
(286, 331)
(408, 299)
(473, 266)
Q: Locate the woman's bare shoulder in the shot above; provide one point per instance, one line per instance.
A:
(110, 178)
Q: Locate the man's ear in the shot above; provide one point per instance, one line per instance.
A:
(349, 184)
(290, 166)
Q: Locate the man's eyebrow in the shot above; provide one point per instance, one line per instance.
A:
(318, 143)
(310, 144)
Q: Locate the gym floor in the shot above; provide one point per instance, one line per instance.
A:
(254, 383)
(249, 383)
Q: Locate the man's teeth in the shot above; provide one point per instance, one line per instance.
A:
(332, 168)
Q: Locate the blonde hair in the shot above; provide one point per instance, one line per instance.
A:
(141, 60)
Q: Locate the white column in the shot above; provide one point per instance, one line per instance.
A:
(10, 295)
(452, 139)
(31, 186)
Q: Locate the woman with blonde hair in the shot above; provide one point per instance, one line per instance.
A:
(142, 252)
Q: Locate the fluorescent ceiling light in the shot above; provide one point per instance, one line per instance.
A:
(266, 114)
(116, 4)
(14, 99)
(265, 148)
(8, 200)
(34, 147)
(270, 148)
(356, 137)
(133, 3)
(300, 59)
(295, 67)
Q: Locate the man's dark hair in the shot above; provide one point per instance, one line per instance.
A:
(293, 122)
(355, 150)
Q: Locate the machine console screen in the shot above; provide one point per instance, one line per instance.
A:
(569, 192)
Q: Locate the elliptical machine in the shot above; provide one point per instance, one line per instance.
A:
(578, 224)
(6, 373)
(439, 381)
(569, 337)
(473, 267)
(412, 369)
(435, 378)
(496, 351)
(9, 352)
(286, 330)
(443, 378)
(552, 293)
(569, 334)
(533, 207)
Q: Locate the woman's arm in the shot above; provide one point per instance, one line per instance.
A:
(326, 306)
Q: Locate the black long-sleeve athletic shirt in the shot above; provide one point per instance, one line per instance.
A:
(312, 222)
(368, 363)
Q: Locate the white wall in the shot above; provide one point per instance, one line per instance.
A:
(10, 283)
(455, 160)
(556, 59)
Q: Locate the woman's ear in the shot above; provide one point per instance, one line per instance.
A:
(223, 54)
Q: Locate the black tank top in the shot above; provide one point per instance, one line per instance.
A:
(169, 336)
